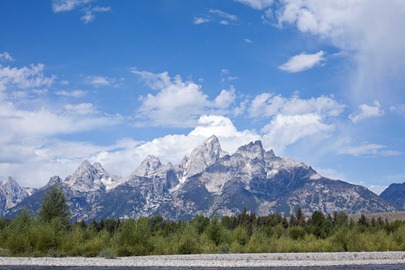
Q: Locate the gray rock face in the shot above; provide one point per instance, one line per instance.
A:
(88, 185)
(211, 182)
(395, 194)
(11, 193)
(202, 157)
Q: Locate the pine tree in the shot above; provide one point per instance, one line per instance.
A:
(54, 206)
(300, 216)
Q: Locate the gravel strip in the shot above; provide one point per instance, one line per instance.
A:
(221, 260)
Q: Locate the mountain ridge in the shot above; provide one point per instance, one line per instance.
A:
(209, 182)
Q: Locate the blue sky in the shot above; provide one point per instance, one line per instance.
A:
(113, 81)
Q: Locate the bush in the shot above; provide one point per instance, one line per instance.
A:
(133, 238)
(107, 253)
(188, 242)
(296, 233)
(240, 235)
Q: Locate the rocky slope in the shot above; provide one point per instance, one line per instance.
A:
(11, 193)
(395, 194)
(209, 182)
(83, 189)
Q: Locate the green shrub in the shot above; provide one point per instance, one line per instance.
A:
(107, 253)
(296, 233)
(133, 238)
(240, 235)
(188, 241)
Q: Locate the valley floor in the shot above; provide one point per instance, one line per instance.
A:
(220, 260)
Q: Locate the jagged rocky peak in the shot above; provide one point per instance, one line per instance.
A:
(150, 165)
(206, 154)
(84, 168)
(86, 178)
(11, 193)
(54, 180)
(10, 184)
(98, 166)
(252, 150)
(269, 154)
(110, 182)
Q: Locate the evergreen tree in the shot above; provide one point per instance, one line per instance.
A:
(363, 221)
(300, 216)
(293, 220)
(54, 206)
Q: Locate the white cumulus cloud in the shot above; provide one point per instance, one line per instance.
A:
(32, 76)
(370, 32)
(292, 119)
(367, 111)
(284, 130)
(225, 99)
(303, 61)
(178, 103)
(257, 4)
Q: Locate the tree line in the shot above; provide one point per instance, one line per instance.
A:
(51, 234)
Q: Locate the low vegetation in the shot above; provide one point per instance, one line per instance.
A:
(51, 234)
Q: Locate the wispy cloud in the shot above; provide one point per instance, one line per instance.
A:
(367, 149)
(24, 78)
(224, 15)
(84, 6)
(72, 93)
(68, 5)
(32, 125)
(217, 16)
(200, 20)
(99, 81)
(366, 112)
(5, 56)
(268, 105)
(82, 108)
(302, 62)
(375, 45)
(257, 4)
(226, 76)
(90, 14)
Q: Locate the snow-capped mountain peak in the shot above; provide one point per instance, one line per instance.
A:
(252, 150)
(149, 166)
(89, 177)
(10, 184)
(110, 182)
(11, 193)
(203, 156)
(208, 182)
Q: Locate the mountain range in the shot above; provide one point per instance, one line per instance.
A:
(209, 182)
